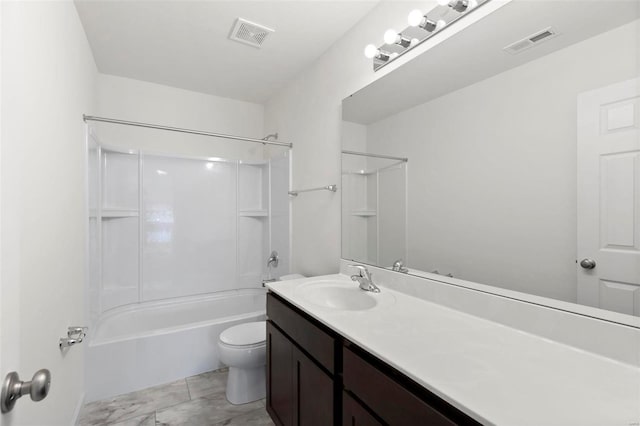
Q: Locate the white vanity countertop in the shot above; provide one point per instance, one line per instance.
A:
(496, 374)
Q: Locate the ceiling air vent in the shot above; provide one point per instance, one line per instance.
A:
(530, 41)
(250, 33)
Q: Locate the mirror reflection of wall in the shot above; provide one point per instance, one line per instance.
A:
(495, 148)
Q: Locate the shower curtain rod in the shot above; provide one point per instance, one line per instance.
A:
(181, 130)
(365, 154)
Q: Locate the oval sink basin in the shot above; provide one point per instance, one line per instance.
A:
(339, 296)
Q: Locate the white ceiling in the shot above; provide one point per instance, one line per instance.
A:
(185, 44)
(475, 53)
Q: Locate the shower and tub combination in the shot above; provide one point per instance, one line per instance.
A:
(179, 246)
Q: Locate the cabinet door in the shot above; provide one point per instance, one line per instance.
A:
(280, 398)
(354, 414)
(313, 392)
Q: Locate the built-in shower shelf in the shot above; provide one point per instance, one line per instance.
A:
(115, 213)
(363, 213)
(254, 213)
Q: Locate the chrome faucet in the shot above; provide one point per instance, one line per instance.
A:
(364, 279)
(398, 266)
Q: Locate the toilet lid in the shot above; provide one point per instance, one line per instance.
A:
(250, 333)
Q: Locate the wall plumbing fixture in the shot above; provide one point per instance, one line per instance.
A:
(75, 335)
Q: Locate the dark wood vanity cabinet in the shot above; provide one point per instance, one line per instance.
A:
(280, 400)
(316, 377)
(355, 414)
(392, 397)
(300, 390)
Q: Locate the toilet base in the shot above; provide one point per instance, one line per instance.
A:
(246, 385)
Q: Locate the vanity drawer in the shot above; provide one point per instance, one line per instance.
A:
(318, 343)
(391, 398)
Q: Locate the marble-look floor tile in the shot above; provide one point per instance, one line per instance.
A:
(208, 383)
(254, 418)
(207, 410)
(134, 404)
(144, 420)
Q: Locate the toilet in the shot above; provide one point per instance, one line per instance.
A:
(243, 349)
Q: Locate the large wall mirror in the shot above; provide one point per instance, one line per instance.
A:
(518, 168)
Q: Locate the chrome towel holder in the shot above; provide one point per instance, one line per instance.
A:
(332, 188)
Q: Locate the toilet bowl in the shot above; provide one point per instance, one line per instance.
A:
(243, 350)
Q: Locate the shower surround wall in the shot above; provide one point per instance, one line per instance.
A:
(178, 249)
(167, 227)
(179, 293)
(136, 100)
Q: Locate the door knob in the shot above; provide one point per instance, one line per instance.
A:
(587, 263)
(13, 388)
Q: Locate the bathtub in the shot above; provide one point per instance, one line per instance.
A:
(138, 346)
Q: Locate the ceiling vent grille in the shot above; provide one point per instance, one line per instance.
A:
(250, 33)
(530, 41)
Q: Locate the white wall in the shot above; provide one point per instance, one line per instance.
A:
(492, 189)
(134, 100)
(307, 112)
(48, 80)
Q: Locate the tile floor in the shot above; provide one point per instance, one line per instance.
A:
(194, 401)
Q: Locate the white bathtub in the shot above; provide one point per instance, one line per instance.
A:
(138, 346)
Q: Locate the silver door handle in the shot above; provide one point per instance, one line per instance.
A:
(587, 263)
(13, 388)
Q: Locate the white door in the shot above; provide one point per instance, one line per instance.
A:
(609, 198)
(42, 202)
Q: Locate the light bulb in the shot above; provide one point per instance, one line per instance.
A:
(390, 36)
(440, 24)
(414, 42)
(371, 51)
(415, 17)
(472, 4)
(443, 2)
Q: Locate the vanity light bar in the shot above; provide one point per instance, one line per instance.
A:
(421, 27)
(458, 5)
(392, 37)
(371, 52)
